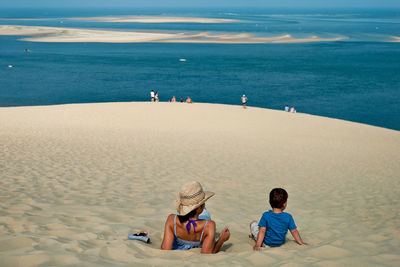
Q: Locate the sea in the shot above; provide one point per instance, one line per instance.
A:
(355, 79)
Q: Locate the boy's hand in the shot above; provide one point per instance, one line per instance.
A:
(304, 244)
(260, 239)
(297, 237)
(256, 248)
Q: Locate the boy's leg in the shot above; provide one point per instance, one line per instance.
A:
(254, 229)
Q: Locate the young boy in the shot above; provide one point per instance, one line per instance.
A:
(274, 224)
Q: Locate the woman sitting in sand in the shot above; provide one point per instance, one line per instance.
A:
(186, 230)
(188, 100)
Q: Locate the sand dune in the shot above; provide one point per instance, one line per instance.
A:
(76, 179)
(58, 34)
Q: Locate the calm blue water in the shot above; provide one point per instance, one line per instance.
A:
(357, 79)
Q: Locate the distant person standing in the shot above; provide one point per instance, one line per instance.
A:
(156, 97)
(152, 95)
(287, 108)
(244, 101)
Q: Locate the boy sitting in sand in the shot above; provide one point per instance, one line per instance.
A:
(274, 224)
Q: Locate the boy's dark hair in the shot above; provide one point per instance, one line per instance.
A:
(278, 197)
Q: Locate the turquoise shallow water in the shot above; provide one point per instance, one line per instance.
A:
(357, 79)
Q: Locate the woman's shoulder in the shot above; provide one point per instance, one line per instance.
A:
(210, 225)
(210, 222)
(170, 218)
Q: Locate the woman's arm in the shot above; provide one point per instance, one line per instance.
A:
(208, 239)
(209, 244)
(168, 239)
(224, 236)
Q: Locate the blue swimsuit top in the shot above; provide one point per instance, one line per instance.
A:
(180, 244)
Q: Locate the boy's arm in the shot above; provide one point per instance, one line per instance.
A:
(297, 237)
(260, 238)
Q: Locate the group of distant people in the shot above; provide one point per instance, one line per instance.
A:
(244, 99)
(154, 98)
(292, 109)
(188, 100)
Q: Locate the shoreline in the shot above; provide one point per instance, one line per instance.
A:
(133, 19)
(69, 35)
(154, 19)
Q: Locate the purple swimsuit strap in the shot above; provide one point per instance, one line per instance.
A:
(190, 223)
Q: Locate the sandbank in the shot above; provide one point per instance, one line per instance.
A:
(135, 19)
(76, 179)
(395, 39)
(59, 34)
(155, 19)
(25, 19)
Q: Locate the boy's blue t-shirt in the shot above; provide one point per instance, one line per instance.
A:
(277, 225)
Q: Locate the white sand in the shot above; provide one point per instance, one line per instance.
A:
(26, 19)
(135, 19)
(155, 19)
(395, 39)
(76, 179)
(58, 34)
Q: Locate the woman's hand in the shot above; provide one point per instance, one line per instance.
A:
(225, 234)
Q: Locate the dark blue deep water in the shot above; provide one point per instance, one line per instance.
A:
(356, 79)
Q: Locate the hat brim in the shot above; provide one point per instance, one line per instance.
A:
(184, 210)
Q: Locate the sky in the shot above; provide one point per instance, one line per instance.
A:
(202, 3)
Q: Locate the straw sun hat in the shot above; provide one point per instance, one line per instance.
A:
(191, 197)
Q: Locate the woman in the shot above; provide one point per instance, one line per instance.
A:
(185, 230)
